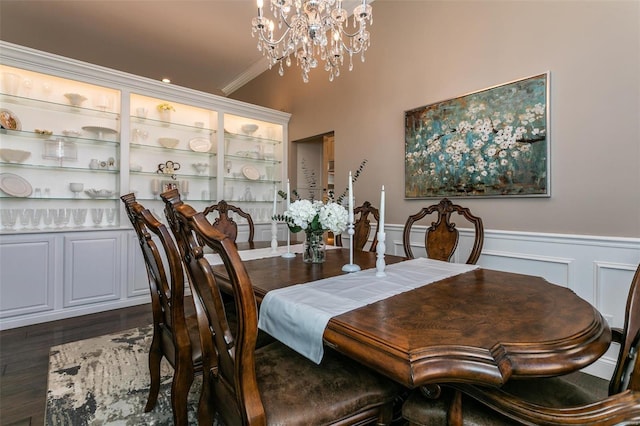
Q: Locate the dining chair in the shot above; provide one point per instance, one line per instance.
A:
(226, 224)
(272, 384)
(175, 334)
(441, 239)
(549, 401)
(362, 227)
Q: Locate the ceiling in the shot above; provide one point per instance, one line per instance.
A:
(201, 44)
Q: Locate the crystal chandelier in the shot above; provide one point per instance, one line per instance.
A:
(311, 29)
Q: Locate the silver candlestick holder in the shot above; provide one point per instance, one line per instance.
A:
(380, 249)
(350, 267)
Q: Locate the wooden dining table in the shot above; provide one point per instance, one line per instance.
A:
(482, 327)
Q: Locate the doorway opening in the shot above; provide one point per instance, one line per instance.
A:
(315, 169)
(315, 166)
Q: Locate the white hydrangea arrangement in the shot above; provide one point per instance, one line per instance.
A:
(316, 216)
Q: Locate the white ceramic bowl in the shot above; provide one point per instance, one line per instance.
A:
(76, 186)
(168, 142)
(75, 99)
(249, 129)
(201, 167)
(14, 155)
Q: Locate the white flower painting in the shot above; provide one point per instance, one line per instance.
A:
(493, 142)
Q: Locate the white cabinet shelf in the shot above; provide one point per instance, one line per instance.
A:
(114, 142)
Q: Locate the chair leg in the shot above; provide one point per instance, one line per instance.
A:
(205, 413)
(155, 356)
(182, 380)
(454, 415)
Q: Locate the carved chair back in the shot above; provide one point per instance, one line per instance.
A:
(362, 227)
(170, 326)
(224, 223)
(295, 391)
(441, 238)
(627, 372)
(229, 362)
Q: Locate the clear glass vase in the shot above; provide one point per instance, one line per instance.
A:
(314, 250)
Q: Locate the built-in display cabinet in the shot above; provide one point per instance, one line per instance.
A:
(59, 153)
(74, 138)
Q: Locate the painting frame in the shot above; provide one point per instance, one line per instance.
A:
(490, 143)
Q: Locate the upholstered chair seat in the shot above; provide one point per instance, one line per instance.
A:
(295, 390)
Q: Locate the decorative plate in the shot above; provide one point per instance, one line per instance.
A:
(8, 120)
(14, 185)
(250, 172)
(200, 144)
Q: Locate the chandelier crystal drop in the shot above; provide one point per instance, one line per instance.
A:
(312, 30)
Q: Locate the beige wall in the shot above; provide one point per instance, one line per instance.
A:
(427, 51)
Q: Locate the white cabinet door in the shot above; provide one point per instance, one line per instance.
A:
(27, 274)
(93, 267)
(138, 279)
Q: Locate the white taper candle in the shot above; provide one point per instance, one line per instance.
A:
(381, 224)
(350, 198)
(275, 197)
(288, 194)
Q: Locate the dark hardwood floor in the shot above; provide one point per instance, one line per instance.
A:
(24, 358)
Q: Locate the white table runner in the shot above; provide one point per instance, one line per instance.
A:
(298, 315)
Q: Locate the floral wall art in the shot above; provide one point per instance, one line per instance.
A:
(490, 143)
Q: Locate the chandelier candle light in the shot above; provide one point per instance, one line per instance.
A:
(380, 248)
(312, 28)
(350, 267)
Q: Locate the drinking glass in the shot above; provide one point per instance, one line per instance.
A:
(9, 217)
(37, 218)
(47, 217)
(56, 216)
(79, 217)
(155, 188)
(60, 217)
(96, 216)
(184, 189)
(111, 215)
(26, 217)
(27, 85)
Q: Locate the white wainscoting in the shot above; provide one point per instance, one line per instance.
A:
(598, 269)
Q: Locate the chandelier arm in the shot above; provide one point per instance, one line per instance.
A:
(274, 42)
(352, 35)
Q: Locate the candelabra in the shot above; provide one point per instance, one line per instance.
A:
(310, 28)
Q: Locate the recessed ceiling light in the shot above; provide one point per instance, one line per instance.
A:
(166, 80)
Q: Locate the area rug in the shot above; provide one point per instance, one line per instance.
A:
(105, 381)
